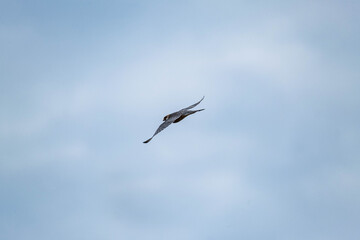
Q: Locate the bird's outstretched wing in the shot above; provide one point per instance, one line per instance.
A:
(161, 127)
(194, 105)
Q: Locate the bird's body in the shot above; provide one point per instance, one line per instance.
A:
(175, 118)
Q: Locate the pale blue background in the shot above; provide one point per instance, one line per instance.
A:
(275, 155)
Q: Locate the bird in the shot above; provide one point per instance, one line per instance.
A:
(176, 117)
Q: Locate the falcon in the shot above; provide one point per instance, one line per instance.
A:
(176, 117)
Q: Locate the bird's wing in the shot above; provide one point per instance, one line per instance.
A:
(194, 105)
(163, 126)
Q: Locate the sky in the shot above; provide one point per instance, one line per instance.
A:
(275, 155)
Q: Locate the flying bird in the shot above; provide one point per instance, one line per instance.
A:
(176, 117)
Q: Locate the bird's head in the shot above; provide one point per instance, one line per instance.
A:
(166, 117)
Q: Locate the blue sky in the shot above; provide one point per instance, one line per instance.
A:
(275, 155)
